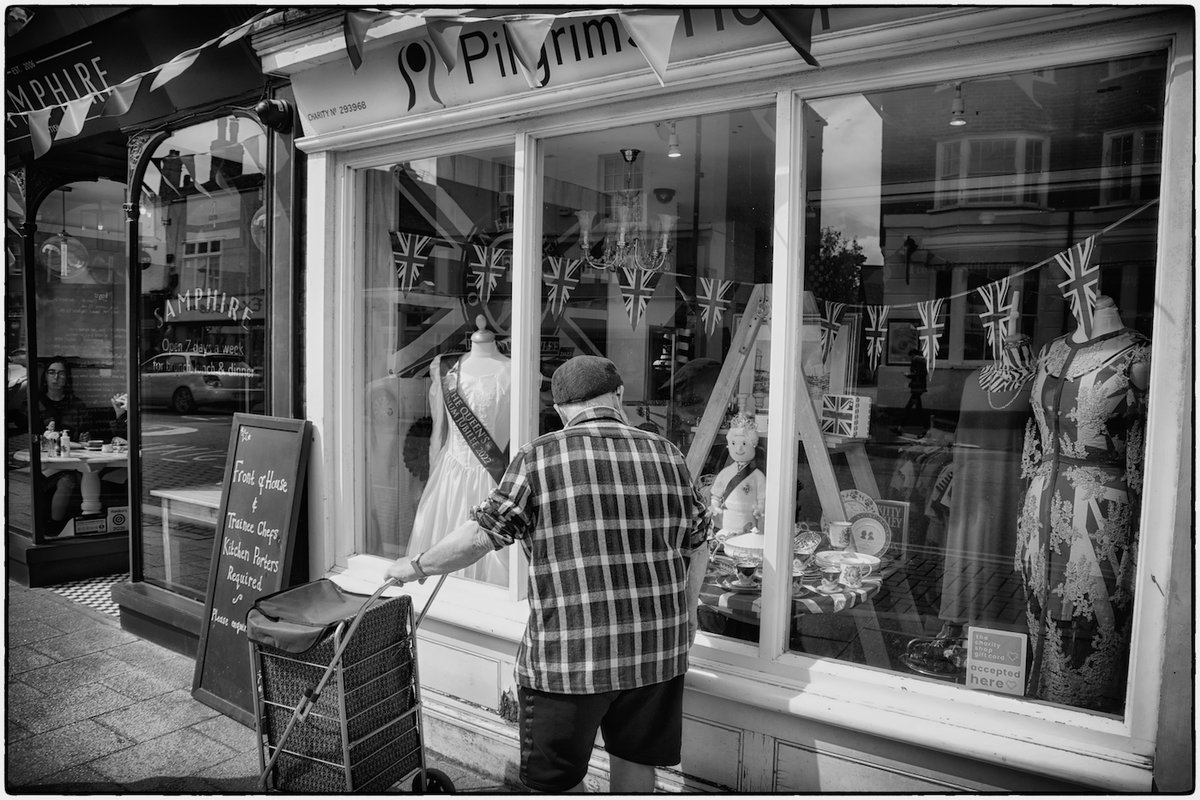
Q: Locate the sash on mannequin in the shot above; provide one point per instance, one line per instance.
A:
(745, 472)
(482, 445)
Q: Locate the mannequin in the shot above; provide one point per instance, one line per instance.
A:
(739, 492)
(1077, 532)
(458, 478)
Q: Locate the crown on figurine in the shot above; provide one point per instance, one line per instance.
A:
(743, 424)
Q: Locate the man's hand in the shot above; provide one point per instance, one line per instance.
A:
(401, 571)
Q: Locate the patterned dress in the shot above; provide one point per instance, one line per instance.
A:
(1077, 534)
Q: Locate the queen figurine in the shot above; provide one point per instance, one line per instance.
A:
(739, 491)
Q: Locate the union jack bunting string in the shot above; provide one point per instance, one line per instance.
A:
(562, 279)
(713, 302)
(930, 331)
(1083, 280)
(488, 265)
(411, 253)
(876, 334)
(998, 308)
(637, 287)
(831, 322)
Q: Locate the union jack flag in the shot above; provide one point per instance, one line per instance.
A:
(411, 253)
(488, 265)
(876, 334)
(831, 323)
(845, 415)
(561, 279)
(1083, 279)
(713, 302)
(930, 331)
(637, 287)
(998, 308)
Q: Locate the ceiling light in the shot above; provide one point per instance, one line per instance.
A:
(673, 144)
(957, 108)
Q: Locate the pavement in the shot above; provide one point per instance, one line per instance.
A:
(93, 709)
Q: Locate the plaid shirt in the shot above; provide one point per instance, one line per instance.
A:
(607, 514)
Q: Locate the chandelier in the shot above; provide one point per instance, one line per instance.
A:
(624, 245)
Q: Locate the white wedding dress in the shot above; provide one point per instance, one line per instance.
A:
(457, 481)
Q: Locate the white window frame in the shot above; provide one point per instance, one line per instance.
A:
(1135, 171)
(1011, 731)
(962, 189)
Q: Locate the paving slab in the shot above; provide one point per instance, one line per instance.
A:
(172, 758)
(48, 753)
(78, 780)
(153, 718)
(156, 660)
(74, 672)
(18, 692)
(32, 630)
(137, 684)
(229, 732)
(71, 704)
(23, 658)
(91, 639)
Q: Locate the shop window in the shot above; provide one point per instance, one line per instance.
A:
(989, 460)
(436, 309)
(203, 318)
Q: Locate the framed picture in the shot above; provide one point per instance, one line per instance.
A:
(901, 339)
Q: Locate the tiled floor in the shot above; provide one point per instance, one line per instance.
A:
(95, 593)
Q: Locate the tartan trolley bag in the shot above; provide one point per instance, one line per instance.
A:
(337, 699)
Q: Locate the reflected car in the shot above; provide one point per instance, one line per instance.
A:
(185, 381)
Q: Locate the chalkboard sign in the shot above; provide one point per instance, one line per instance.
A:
(84, 323)
(252, 552)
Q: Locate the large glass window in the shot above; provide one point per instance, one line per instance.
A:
(987, 442)
(436, 300)
(203, 334)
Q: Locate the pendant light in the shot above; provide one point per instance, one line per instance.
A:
(62, 254)
(957, 119)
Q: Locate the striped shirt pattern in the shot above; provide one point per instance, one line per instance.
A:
(607, 514)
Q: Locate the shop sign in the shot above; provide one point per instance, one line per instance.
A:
(200, 305)
(402, 78)
(996, 660)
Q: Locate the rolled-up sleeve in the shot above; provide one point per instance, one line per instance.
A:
(508, 513)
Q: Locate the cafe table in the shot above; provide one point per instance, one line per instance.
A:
(88, 463)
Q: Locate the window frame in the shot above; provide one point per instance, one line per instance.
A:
(991, 727)
(956, 191)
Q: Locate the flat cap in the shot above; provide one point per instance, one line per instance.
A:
(582, 378)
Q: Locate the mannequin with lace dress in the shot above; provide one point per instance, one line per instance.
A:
(1077, 533)
(469, 402)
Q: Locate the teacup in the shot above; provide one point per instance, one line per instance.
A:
(830, 577)
(106, 448)
(853, 574)
(745, 571)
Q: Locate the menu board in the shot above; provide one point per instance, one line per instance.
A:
(252, 552)
(83, 323)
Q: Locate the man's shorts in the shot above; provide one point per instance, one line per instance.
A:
(643, 725)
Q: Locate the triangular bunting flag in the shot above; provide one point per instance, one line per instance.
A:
(796, 26)
(241, 30)
(652, 32)
(1024, 80)
(930, 331)
(562, 279)
(1083, 280)
(997, 310)
(121, 98)
(354, 27)
(444, 35)
(74, 116)
(410, 253)
(527, 35)
(711, 296)
(487, 267)
(189, 164)
(876, 334)
(174, 68)
(39, 130)
(637, 287)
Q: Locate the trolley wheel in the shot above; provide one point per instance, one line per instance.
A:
(438, 783)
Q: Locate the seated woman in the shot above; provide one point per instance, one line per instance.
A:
(60, 406)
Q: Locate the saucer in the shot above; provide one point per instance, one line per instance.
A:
(734, 586)
(822, 590)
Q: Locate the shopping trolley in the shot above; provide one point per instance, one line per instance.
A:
(365, 733)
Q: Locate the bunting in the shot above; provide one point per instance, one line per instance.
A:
(713, 302)
(1083, 280)
(527, 34)
(795, 24)
(444, 35)
(487, 266)
(930, 331)
(354, 29)
(121, 99)
(652, 32)
(637, 287)
(74, 115)
(998, 307)
(562, 279)
(410, 253)
(831, 323)
(876, 334)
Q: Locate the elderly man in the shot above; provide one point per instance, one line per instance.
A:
(615, 532)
